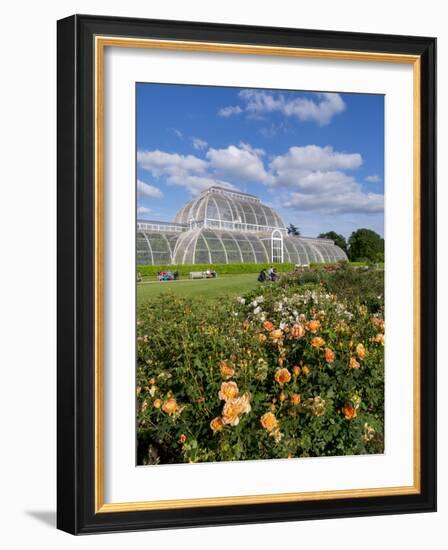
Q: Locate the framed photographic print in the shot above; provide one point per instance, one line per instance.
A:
(246, 274)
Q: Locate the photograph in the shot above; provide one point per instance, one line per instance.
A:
(259, 273)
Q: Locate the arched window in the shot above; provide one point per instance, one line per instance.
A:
(277, 246)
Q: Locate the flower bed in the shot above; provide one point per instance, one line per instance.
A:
(292, 371)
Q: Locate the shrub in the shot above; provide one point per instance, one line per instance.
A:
(282, 372)
(360, 285)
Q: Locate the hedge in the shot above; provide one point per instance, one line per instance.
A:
(221, 269)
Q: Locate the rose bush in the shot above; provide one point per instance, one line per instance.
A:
(286, 371)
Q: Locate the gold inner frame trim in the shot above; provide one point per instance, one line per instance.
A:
(101, 42)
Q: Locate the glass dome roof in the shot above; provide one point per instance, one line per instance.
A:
(222, 226)
(232, 210)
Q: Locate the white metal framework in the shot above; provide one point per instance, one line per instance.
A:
(224, 226)
(277, 246)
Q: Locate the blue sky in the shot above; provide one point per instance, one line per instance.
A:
(316, 157)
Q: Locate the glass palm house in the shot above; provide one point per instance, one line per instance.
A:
(222, 226)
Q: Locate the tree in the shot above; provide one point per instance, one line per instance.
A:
(339, 240)
(365, 244)
(293, 230)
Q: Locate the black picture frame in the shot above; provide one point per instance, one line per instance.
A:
(76, 273)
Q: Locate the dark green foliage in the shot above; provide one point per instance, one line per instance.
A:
(293, 230)
(365, 245)
(339, 240)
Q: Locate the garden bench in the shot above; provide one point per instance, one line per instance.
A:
(202, 274)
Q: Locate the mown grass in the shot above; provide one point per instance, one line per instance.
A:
(224, 287)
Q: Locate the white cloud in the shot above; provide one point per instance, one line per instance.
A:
(257, 102)
(309, 178)
(143, 210)
(147, 190)
(186, 171)
(373, 179)
(243, 163)
(178, 133)
(313, 157)
(316, 180)
(159, 163)
(230, 110)
(199, 143)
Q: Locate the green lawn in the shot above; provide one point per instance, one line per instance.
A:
(209, 289)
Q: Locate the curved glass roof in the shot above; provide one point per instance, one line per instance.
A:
(222, 226)
(155, 247)
(208, 246)
(227, 209)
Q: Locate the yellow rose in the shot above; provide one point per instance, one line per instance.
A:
(361, 351)
(296, 371)
(269, 422)
(157, 403)
(306, 370)
(277, 334)
(262, 337)
(379, 338)
(234, 409)
(317, 342)
(229, 390)
(354, 363)
(282, 376)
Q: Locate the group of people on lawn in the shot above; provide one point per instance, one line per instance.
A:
(269, 275)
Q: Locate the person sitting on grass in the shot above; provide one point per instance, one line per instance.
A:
(273, 275)
(262, 276)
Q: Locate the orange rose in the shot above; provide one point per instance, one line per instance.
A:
(329, 355)
(157, 403)
(282, 396)
(296, 371)
(226, 371)
(282, 376)
(182, 438)
(170, 406)
(268, 325)
(306, 370)
(349, 412)
(269, 422)
(229, 390)
(297, 331)
(217, 424)
(361, 351)
(295, 398)
(317, 342)
(313, 326)
(378, 323)
(354, 363)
